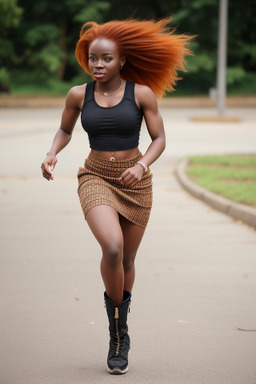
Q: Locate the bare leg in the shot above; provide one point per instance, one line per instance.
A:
(132, 235)
(104, 223)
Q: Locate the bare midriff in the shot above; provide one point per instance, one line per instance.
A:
(116, 155)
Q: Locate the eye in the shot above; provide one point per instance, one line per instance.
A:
(91, 58)
(108, 59)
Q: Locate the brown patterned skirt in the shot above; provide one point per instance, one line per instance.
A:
(98, 185)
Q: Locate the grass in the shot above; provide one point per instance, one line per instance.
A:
(232, 176)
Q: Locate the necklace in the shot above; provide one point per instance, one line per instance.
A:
(109, 93)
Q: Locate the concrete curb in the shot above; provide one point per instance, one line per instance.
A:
(237, 211)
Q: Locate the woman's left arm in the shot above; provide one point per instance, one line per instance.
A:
(147, 101)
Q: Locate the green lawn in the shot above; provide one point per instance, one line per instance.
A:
(232, 176)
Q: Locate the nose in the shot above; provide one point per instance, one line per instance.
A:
(99, 64)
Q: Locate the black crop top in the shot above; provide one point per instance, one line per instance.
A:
(112, 128)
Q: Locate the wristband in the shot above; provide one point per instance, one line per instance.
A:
(143, 165)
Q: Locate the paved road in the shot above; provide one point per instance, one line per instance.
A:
(196, 268)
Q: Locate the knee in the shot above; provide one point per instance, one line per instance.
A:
(112, 255)
(128, 264)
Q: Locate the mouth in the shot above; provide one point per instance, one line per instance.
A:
(99, 75)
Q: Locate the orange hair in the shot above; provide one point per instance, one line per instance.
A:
(153, 52)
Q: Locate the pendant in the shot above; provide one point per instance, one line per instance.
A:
(112, 158)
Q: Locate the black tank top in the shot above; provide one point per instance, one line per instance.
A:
(112, 128)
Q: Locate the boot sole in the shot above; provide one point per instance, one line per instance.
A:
(117, 371)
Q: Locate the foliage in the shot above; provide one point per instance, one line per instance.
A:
(10, 15)
(37, 39)
(46, 37)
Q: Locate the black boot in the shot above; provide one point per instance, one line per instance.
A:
(119, 344)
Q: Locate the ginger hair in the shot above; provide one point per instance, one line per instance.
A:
(153, 52)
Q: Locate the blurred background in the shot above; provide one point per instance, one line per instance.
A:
(38, 39)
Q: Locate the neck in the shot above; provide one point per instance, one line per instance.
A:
(108, 89)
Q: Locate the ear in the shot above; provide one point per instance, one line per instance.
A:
(122, 61)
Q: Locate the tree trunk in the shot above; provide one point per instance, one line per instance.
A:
(63, 46)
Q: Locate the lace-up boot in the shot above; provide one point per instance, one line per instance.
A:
(119, 344)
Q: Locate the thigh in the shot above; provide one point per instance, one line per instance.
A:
(132, 235)
(103, 221)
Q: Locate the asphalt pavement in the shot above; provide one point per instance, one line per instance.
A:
(193, 313)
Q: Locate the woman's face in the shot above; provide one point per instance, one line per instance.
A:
(104, 59)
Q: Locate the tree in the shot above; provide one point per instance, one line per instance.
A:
(38, 41)
(46, 38)
(200, 18)
(10, 16)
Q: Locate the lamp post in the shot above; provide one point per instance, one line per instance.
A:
(222, 56)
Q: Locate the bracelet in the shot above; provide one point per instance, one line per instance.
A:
(143, 165)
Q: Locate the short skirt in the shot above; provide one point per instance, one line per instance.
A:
(98, 185)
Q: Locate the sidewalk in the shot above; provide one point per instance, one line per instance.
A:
(196, 268)
(21, 101)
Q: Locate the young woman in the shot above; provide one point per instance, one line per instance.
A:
(131, 62)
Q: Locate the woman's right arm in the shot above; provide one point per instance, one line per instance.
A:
(63, 136)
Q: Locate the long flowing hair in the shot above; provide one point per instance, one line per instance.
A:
(153, 52)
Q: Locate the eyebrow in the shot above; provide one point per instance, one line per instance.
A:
(104, 54)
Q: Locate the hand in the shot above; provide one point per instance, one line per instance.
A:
(48, 166)
(131, 176)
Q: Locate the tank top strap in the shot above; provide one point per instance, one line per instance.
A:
(89, 92)
(129, 90)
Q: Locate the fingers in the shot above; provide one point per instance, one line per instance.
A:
(47, 168)
(128, 181)
(47, 171)
(131, 176)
